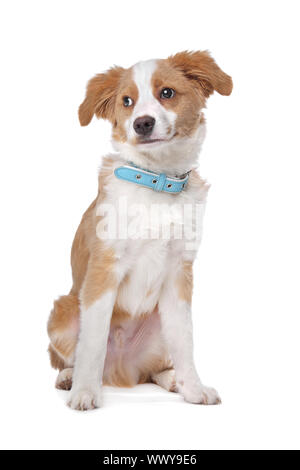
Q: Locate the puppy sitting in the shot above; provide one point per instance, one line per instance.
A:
(127, 318)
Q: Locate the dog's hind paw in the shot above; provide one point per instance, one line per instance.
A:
(64, 379)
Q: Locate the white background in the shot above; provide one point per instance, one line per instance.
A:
(246, 301)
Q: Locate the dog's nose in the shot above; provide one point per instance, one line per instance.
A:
(144, 125)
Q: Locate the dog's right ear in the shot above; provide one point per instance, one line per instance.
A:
(100, 96)
(200, 67)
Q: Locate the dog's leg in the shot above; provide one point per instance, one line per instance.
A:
(91, 352)
(165, 379)
(97, 300)
(175, 310)
(64, 379)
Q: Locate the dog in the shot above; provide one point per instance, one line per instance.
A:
(127, 319)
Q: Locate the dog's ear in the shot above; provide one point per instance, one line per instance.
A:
(200, 67)
(100, 96)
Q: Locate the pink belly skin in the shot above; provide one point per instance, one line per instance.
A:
(135, 348)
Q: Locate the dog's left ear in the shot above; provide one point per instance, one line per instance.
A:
(100, 96)
(201, 67)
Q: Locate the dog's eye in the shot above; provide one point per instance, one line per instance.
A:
(167, 93)
(127, 101)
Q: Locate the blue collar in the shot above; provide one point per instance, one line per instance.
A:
(157, 181)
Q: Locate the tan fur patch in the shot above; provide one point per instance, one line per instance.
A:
(196, 180)
(201, 69)
(185, 282)
(104, 98)
(63, 328)
(154, 365)
(63, 324)
(85, 237)
(100, 276)
(127, 87)
(119, 316)
(119, 375)
(56, 361)
(65, 311)
(187, 101)
(100, 96)
(80, 249)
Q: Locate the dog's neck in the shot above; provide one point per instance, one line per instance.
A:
(175, 158)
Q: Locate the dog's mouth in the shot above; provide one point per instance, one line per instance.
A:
(151, 141)
(154, 141)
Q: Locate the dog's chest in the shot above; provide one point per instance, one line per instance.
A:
(133, 213)
(148, 233)
(140, 288)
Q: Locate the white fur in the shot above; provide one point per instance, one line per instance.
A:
(173, 158)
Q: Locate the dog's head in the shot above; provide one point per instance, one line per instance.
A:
(155, 103)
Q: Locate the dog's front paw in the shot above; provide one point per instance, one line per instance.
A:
(85, 399)
(201, 395)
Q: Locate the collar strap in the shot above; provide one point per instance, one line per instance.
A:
(157, 181)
